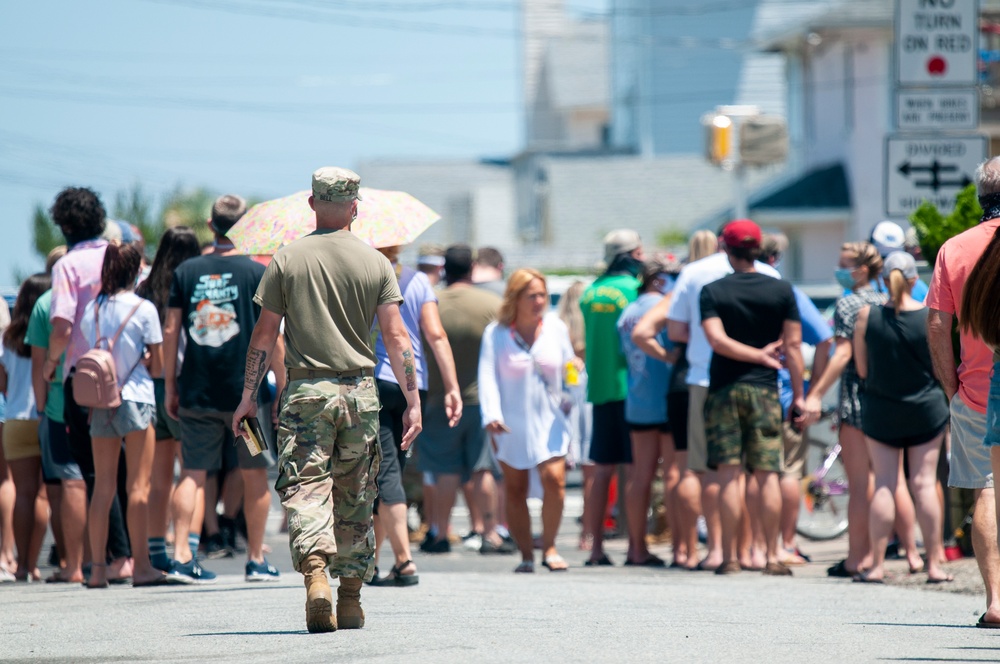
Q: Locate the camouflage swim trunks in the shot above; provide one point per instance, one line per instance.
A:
(329, 458)
(743, 426)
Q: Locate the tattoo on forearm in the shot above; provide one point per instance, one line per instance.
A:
(256, 367)
(409, 370)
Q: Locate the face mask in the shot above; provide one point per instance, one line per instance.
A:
(844, 277)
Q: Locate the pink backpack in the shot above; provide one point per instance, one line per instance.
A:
(95, 379)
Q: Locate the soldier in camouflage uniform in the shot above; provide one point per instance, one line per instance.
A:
(749, 319)
(330, 287)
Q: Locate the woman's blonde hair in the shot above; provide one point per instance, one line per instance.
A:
(865, 255)
(518, 281)
(899, 286)
(571, 314)
(702, 243)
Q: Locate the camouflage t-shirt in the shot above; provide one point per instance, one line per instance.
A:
(327, 285)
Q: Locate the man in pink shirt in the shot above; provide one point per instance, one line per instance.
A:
(967, 385)
(76, 281)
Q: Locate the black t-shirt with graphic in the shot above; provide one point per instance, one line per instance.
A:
(753, 308)
(218, 314)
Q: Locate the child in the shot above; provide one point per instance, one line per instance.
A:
(133, 419)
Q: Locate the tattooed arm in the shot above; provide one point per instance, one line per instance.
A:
(265, 335)
(397, 344)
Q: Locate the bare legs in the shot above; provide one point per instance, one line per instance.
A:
(189, 511)
(28, 530)
(256, 504)
(552, 474)
(923, 469)
(597, 503)
(687, 499)
(139, 464)
(162, 486)
(854, 454)
(7, 493)
(766, 503)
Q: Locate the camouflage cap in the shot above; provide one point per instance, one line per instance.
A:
(331, 183)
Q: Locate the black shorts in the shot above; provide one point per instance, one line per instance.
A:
(662, 427)
(390, 437)
(611, 443)
(677, 418)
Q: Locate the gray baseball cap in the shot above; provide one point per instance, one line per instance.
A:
(902, 261)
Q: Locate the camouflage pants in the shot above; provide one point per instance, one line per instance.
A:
(329, 459)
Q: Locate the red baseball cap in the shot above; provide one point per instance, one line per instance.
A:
(741, 233)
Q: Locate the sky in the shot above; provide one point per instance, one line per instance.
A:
(243, 96)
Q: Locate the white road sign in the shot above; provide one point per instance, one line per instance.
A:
(936, 42)
(937, 110)
(932, 169)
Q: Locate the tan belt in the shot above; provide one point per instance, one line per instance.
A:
(310, 374)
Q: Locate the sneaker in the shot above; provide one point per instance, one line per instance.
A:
(228, 529)
(215, 547)
(264, 571)
(473, 541)
(505, 547)
(438, 546)
(428, 542)
(6, 576)
(190, 573)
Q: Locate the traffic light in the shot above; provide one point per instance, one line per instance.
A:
(718, 138)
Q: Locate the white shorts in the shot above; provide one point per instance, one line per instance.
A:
(970, 459)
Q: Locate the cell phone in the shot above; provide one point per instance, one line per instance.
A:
(795, 414)
(254, 435)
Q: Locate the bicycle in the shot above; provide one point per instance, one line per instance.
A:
(823, 509)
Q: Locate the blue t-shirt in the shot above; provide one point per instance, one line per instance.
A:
(815, 330)
(417, 292)
(648, 378)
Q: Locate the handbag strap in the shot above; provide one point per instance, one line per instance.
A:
(97, 324)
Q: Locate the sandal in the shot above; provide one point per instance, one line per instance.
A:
(526, 567)
(395, 577)
(650, 561)
(603, 561)
(840, 571)
(555, 563)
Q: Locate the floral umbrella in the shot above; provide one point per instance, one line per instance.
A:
(385, 219)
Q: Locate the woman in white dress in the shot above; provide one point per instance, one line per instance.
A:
(522, 362)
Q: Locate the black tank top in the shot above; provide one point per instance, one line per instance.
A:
(901, 397)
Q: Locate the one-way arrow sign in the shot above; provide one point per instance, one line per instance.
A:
(935, 168)
(932, 169)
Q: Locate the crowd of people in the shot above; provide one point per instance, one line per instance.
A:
(688, 371)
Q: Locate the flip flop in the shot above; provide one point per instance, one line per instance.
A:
(702, 567)
(120, 580)
(864, 578)
(983, 624)
(555, 563)
(651, 561)
(840, 571)
(603, 561)
(526, 567)
(947, 579)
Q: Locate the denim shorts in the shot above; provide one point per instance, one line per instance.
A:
(117, 422)
(992, 438)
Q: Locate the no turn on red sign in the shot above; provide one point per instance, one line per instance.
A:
(936, 42)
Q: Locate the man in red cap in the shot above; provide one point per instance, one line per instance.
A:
(750, 319)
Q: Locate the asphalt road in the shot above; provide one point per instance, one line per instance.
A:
(471, 608)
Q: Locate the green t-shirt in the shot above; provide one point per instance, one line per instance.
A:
(465, 313)
(602, 303)
(39, 329)
(327, 286)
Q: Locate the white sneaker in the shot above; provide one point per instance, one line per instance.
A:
(472, 541)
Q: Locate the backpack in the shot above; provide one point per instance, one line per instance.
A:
(95, 379)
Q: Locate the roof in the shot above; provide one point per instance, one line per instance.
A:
(824, 187)
(829, 15)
